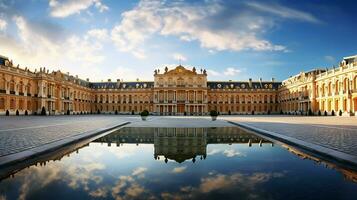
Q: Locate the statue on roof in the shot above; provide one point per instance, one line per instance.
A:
(204, 72)
(166, 69)
(194, 69)
(155, 71)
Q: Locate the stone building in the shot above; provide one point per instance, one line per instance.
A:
(179, 91)
(333, 91)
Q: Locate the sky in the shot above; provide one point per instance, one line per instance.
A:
(231, 39)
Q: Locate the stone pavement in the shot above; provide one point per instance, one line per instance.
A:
(19, 133)
(336, 133)
(24, 135)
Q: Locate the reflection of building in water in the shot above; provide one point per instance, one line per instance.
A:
(348, 174)
(182, 144)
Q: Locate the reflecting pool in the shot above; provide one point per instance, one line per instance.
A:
(180, 163)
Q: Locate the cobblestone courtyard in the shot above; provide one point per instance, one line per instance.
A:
(18, 134)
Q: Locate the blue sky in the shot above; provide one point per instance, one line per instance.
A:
(233, 40)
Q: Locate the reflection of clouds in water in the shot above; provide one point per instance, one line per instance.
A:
(232, 153)
(239, 183)
(213, 151)
(226, 152)
(139, 172)
(37, 178)
(214, 183)
(246, 181)
(127, 187)
(128, 150)
(2, 197)
(75, 173)
(81, 175)
(99, 193)
(179, 169)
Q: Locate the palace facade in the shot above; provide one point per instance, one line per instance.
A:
(330, 91)
(179, 91)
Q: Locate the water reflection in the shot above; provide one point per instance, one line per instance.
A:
(180, 144)
(201, 163)
(348, 174)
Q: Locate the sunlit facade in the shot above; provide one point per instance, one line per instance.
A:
(179, 91)
(323, 91)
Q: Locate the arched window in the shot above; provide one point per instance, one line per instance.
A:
(2, 103)
(12, 86)
(2, 84)
(345, 85)
(12, 104)
(336, 87)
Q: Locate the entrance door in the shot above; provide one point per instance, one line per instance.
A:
(180, 108)
(170, 110)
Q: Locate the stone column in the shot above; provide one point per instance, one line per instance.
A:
(195, 96)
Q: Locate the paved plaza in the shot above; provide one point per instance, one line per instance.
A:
(19, 134)
(26, 133)
(336, 133)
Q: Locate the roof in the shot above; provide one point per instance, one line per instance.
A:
(243, 85)
(349, 57)
(3, 59)
(122, 85)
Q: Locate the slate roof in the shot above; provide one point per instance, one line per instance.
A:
(210, 85)
(243, 85)
(122, 85)
(2, 60)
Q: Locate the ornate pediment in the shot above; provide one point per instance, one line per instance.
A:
(180, 70)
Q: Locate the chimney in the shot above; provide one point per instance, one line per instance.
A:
(118, 80)
(109, 80)
(260, 79)
(273, 80)
(87, 79)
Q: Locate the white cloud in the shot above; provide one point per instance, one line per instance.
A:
(3, 24)
(232, 153)
(284, 12)
(213, 72)
(136, 26)
(72, 53)
(177, 170)
(100, 34)
(179, 57)
(231, 71)
(191, 22)
(66, 8)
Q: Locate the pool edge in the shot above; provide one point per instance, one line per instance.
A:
(53, 146)
(335, 155)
